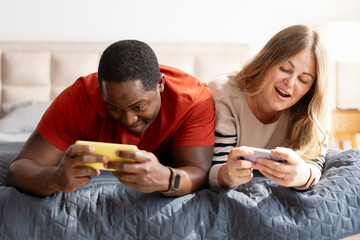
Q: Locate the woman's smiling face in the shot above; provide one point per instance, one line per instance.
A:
(290, 82)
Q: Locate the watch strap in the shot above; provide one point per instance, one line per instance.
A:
(172, 182)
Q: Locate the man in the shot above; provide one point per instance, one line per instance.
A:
(166, 113)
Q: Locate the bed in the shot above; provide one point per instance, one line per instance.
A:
(32, 74)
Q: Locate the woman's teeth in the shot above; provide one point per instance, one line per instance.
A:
(282, 93)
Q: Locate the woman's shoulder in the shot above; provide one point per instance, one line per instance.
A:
(224, 85)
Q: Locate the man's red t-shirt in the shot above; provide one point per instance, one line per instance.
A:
(186, 116)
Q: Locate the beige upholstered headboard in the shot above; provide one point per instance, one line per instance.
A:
(39, 71)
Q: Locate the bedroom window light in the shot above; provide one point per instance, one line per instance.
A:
(341, 40)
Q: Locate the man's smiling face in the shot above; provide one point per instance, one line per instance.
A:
(130, 104)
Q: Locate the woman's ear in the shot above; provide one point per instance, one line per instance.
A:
(161, 83)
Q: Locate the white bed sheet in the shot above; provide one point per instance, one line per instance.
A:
(14, 137)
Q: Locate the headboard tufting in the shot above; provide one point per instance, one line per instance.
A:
(39, 71)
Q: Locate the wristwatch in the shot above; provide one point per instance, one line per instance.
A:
(174, 181)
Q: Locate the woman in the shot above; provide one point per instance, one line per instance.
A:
(278, 99)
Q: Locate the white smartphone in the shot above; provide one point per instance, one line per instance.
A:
(260, 153)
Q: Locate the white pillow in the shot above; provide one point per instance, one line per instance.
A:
(18, 117)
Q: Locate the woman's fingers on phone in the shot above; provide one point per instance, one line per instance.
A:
(272, 167)
(244, 165)
(236, 153)
(287, 154)
(281, 152)
(270, 176)
(245, 173)
(238, 176)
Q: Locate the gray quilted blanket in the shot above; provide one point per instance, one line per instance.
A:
(260, 209)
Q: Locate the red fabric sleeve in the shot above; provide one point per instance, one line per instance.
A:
(69, 118)
(198, 128)
(54, 125)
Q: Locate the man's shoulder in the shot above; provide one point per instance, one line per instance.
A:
(83, 93)
(184, 87)
(89, 84)
(86, 84)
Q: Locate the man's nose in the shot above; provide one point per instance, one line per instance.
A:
(128, 118)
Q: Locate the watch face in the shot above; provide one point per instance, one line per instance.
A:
(176, 182)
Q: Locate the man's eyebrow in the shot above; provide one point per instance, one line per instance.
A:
(133, 105)
(130, 106)
(303, 72)
(107, 103)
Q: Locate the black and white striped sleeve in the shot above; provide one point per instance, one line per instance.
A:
(223, 144)
(225, 139)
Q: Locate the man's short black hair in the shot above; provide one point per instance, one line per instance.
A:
(129, 60)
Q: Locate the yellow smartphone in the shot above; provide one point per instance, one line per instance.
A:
(109, 150)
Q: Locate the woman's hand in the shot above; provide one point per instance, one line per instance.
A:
(294, 173)
(235, 171)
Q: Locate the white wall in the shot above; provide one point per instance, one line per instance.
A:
(221, 21)
(251, 21)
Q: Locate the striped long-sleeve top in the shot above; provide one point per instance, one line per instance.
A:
(237, 126)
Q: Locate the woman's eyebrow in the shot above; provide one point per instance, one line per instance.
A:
(291, 64)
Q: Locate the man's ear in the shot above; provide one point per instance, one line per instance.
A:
(161, 83)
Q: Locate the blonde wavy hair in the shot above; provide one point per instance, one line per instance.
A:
(309, 117)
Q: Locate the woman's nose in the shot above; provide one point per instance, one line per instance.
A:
(290, 81)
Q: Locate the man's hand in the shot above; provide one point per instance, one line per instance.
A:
(42, 169)
(69, 175)
(146, 175)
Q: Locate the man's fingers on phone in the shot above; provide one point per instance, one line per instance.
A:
(92, 159)
(75, 149)
(80, 172)
(126, 154)
(137, 156)
(126, 178)
(81, 181)
(123, 167)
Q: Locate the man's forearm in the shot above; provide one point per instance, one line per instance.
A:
(192, 179)
(29, 177)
